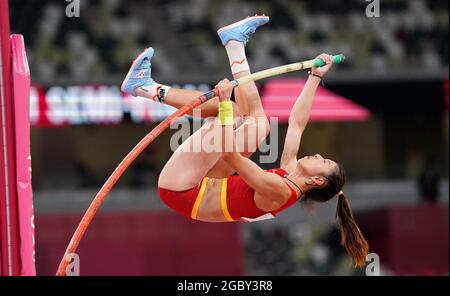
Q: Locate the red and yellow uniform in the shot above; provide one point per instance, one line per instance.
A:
(236, 199)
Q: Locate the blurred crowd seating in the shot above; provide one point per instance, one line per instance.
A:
(298, 249)
(410, 35)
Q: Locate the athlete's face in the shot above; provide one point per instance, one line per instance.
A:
(316, 168)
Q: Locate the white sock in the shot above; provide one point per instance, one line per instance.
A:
(157, 92)
(236, 55)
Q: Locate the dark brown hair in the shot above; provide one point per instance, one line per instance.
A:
(351, 237)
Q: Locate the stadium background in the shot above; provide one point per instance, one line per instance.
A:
(396, 158)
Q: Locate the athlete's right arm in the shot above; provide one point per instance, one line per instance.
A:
(267, 184)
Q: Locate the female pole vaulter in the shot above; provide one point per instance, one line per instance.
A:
(201, 184)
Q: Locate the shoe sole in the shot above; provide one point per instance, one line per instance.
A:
(125, 81)
(241, 22)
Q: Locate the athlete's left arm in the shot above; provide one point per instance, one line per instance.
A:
(299, 117)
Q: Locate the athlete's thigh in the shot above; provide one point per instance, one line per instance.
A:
(191, 161)
(249, 135)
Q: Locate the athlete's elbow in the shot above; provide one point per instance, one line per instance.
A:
(266, 125)
(230, 157)
(226, 156)
(297, 123)
(271, 204)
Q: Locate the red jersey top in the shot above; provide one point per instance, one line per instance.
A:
(241, 202)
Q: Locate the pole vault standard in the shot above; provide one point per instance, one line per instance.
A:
(126, 162)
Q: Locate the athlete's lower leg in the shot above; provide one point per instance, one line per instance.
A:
(139, 82)
(234, 37)
(256, 126)
(180, 97)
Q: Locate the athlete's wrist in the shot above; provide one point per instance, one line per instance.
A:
(226, 113)
(314, 74)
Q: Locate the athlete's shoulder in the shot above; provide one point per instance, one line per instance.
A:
(279, 171)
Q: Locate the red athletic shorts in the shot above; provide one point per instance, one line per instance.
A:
(184, 202)
(188, 201)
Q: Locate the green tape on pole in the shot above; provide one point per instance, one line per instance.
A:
(336, 60)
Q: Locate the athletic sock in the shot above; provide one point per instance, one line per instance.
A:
(156, 91)
(236, 55)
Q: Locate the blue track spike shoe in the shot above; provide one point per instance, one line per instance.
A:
(140, 73)
(241, 30)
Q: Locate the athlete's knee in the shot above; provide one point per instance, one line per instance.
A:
(163, 179)
(261, 122)
(263, 128)
(236, 111)
(166, 178)
(167, 181)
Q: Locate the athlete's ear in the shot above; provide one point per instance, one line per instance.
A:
(317, 180)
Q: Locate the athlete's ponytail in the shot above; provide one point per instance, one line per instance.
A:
(351, 237)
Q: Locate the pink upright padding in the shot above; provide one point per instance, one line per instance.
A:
(21, 95)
